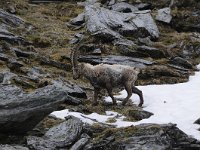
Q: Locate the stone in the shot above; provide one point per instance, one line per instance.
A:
(14, 64)
(21, 112)
(143, 6)
(20, 53)
(139, 114)
(197, 121)
(11, 147)
(146, 41)
(182, 62)
(110, 25)
(124, 7)
(57, 64)
(36, 73)
(72, 89)
(79, 20)
(11, 38)
(4, 57)
(164, 15)
(7, 77)
(114, 59)
(81, 142)
(59, 136)
(151, 51)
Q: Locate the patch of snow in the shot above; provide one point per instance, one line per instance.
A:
(170, 103)
(87, 118)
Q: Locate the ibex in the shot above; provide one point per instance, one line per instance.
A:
(104, 76)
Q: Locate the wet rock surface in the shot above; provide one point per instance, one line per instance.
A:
(21, 111)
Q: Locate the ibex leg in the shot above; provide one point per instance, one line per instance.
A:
(109, 89)
(96, 92)
(128, 88)
(139, 93)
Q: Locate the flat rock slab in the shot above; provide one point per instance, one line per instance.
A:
(21, 112)
(113, 59)
(60, 136)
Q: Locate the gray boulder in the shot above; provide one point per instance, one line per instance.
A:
(164, 15)
(60, 136)
(21, 111)
(110, 25)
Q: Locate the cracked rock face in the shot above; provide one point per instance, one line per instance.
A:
(112, 25)
(20, 111)
(58, 136)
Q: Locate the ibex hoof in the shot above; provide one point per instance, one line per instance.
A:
(140, 105)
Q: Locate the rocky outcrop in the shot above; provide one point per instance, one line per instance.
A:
(20, 111)
(61, 136)
(73, 134)
(112, 25)
(145, 136)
